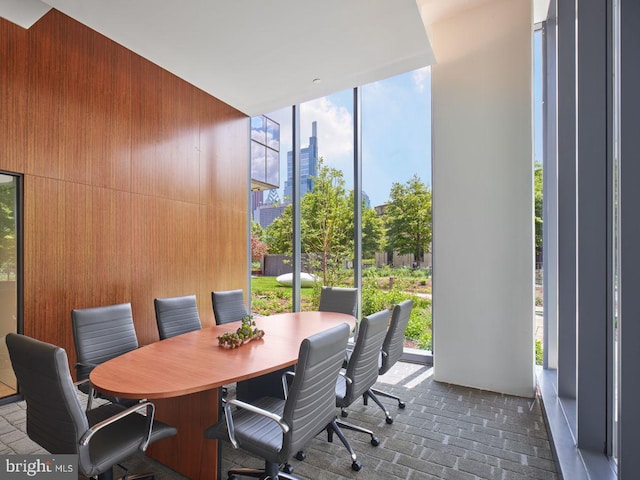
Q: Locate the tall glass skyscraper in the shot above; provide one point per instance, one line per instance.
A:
(308, 167)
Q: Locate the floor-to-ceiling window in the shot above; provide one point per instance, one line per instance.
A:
(538, 153)
(395, 195)
(327, 192)
(9, 276)
(396, 176)
(271, 224)
(615, 203)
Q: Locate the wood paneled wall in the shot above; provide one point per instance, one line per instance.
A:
(135, 182)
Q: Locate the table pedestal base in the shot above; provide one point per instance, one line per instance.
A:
(189, 453)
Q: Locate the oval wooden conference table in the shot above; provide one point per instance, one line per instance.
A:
(182, 375)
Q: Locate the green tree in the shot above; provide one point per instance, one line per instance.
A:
(7, 230)
(408, 218)
(327, 226)
(257, 230)
(327, 223)
(279, 235)
(537, 195)
(372, 233)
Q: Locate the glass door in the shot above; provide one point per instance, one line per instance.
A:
(9, 280)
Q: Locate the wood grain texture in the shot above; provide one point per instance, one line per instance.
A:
(77, 254)
(129, 173)
(186, 361)
(13, 96)
(167, 239)
(189, 452)
(165, 138)
(80, 103)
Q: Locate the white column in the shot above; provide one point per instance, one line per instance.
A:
(483, 268)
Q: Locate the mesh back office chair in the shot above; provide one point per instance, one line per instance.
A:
(273, 428)
(101, 437)
(339, 300)
(100, 334)
(391, 352)
(176, 315)
(228, 306)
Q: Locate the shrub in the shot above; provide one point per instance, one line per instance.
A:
(539, 353)
(419, 327)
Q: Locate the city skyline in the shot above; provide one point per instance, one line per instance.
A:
(387, 155)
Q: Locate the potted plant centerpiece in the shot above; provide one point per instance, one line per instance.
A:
(244, 334)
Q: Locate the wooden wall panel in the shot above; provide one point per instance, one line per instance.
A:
(165, 159)
(80, 96)
(135, 181)
(13, 96)
(224, 138)
(226, 249)
(77, 253)
(167, 261)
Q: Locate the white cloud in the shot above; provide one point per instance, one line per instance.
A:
(421, 79)
(335, 130)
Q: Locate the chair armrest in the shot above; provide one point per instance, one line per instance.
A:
(346, 379)
(285, 384)
(150, 407)
(253, 409)
(79, 365)
(80, 382)
(91, 394)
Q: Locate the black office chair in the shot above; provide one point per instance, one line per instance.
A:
(274, 428)
(391, 352)
(102, 437)
(228, 306)
(339, 300)
(362, 367)
(100, 334)
(176, 315)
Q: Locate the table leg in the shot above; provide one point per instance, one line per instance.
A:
(189, 453)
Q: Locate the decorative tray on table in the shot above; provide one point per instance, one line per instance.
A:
(244, 334)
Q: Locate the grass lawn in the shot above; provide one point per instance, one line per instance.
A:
(262, 284)
(268, 296)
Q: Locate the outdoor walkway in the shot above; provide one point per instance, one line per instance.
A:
(445, 432)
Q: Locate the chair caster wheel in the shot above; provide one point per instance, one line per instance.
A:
(344, 414)
(232, 477)
(375, 441)
(287, 468)
(356, 466)
(389, 420)
(300, 455)
(402, 405)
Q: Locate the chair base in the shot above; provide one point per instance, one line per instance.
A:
(375, 441)
(137, 476)
(401, 404)
(371, 393)
(108, 475)
(334, 428)
(271, 471)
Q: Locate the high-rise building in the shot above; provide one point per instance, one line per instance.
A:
(308, 166)
(366, 200)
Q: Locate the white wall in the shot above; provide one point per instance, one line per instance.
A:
(483, 284)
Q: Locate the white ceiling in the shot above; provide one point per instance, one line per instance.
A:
(262, 55)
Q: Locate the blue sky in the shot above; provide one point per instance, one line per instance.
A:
(396, 130)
